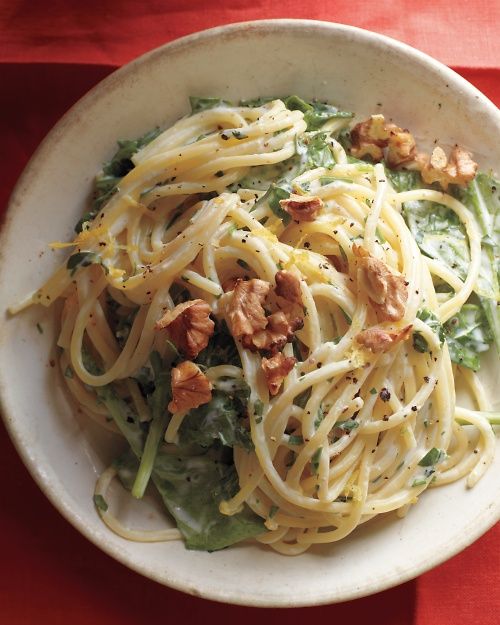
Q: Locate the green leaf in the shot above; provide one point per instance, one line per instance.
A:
(403, 180)
(468, 334)
(482, 196)
(439, 234)
(89, 216)
(220, 419)
(314, 151)
(302, 399)
(221, 348)
(428, 317)
(256, 102)
(316, 114)
(272, 198)
(432, 457)
(238, 134)
(203, 104)
(83, 259)
(114, 170)
(320, 415)
(125, 418)
(100, 503)
(315, 459)
(192, 488)
(273, 511)
(347, 426)
(160, 417)
(258, 408)
(419, 481)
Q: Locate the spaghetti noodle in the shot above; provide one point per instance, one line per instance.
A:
(365, 419)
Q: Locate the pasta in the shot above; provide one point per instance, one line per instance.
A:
(244, 283)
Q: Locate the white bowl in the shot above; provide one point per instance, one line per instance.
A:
(358, 70)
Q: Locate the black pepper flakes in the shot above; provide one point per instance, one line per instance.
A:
(384, 395)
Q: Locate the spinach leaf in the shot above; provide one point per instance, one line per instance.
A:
(314, 151)
(124, 417)
(100, 502)
(467, 335)
(83, 259)
(302, 399)
(202, 104)
(157, 401)
(439, 234)
(221, 419)
(482, 196)
(255, 102)
(347, 426)
(316, 114)
(428, 317)
(432, 457)
(113, 171)
(272, 197)
(403, 180)
(221, 349)
(123, 325)
(192, 488)
(315, 460)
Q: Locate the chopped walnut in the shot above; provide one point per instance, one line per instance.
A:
(229, 284)
(189, 326)
(459, 168)
(276, 369)
(302, 207)
(246, 314)
(379, 340)
(339, 263)
(369, 138)
(386, 289)
(288, 287)
(190, 387)
(278, 332)
(401, 147)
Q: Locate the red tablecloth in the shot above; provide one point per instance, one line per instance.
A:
(50, 54)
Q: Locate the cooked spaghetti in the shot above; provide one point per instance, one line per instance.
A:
(277, 327)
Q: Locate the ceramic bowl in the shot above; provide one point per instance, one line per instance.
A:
(358, 70)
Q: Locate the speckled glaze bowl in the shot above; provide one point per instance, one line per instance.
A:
(356, 69)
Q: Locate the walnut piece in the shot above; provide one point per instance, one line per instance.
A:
(338, 262)
(245, 312)
(276, 369)
(386, 289)
(288, 287)
(459, 168)
(379, 340)
(229, 284)
(374, 135)
(190, 387)
(278, 332)
(369, 138)
(189, 326)
(247, 318)
(302, 207)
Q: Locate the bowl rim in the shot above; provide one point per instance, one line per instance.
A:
(266, 26)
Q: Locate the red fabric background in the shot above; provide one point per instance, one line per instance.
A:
(50, 55)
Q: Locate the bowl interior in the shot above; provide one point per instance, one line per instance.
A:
(65, 453)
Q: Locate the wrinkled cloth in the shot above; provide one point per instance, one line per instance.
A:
(50, 55)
